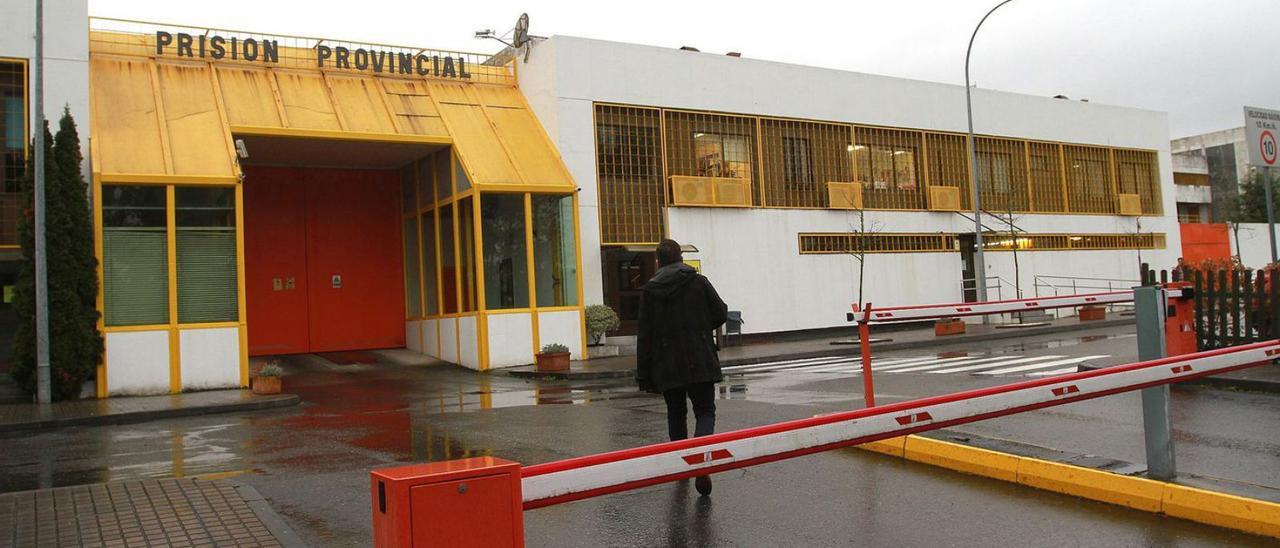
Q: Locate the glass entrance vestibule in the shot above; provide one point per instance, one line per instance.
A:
(490, 276)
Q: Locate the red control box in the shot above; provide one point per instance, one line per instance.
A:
(458, 503)
(1180, 321)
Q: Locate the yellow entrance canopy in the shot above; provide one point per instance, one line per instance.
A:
(166, 101)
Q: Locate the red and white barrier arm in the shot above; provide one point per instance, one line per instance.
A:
(952, 310)
(589, 476)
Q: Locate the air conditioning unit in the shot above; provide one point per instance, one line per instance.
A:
(944, 198)
(1130, 204)
(732, 192)
(691, 191)
(710, 191)
(844, 195)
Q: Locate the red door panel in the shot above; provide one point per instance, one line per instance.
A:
(354, 260)
(275, 255)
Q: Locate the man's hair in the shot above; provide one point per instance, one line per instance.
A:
(669, 252)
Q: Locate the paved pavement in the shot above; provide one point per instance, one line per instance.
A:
(311, 461)
(170, 512)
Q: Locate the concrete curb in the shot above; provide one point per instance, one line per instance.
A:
(574, 375)
(275, 524)
(283, 400)
(1254, 516)
(1230, 383)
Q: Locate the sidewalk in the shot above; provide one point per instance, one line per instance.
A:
(821, 347)
(121, 410)
(167, 512)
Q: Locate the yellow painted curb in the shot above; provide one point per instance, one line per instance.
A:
(894, 447)
(1138, 493)
(1202, 506)
(1255, 516)
(962, 458)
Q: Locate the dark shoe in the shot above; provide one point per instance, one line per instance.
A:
(703, 484)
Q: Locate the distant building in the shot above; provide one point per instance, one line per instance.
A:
(1214, 159)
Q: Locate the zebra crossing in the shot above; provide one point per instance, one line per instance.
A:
(988, 365)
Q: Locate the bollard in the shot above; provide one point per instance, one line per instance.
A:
(1149, 303)
(458, 503)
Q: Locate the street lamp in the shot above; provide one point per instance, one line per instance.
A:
(980, 269)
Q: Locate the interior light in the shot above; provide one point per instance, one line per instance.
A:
(696, 135)
(859, 147)
(1076, 238)
(849, 148)
(899, 152)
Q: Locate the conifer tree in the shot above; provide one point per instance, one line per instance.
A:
(75, 345)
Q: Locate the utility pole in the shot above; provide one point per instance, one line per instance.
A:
(980, 270)
(44, 392)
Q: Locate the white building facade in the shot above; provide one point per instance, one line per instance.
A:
(644, 129)
(66, 85)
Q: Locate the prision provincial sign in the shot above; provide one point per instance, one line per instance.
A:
(218, 47)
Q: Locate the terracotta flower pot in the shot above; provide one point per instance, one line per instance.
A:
(558, 361)
(266, 385)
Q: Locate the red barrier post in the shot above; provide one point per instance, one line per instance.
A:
(864, 333)
(467, 502)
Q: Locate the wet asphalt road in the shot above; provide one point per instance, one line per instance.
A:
(312, 461)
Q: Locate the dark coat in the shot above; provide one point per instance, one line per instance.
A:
(678, 312)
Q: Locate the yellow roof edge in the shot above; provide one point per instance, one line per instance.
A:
(341, 135)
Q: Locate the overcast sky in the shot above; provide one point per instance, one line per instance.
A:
(1198, 60)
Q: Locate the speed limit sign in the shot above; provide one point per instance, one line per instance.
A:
(1267, 147)
(1261, 127)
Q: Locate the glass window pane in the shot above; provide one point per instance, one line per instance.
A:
(412, 287)
(206, 250)
(506, 268)
(408, 190)
(448, 265)
(135, 255)
(13, 132)
(554, 251)
(429, 262)
(460, 175)
(466, 254)
(426, 182)
(444, 178)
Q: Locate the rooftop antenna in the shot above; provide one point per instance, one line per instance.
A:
(519, 35)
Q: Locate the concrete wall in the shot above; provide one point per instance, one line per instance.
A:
(752, 254)
(1252, 244)
(66, 55)
(1195, 145)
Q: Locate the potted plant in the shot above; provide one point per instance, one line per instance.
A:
(267, 380)
(554, 357)
(600, 319)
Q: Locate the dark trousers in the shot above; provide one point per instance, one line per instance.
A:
(703, 396)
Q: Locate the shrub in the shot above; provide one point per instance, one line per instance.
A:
(600, 319)
(555, 348)
(272, 369)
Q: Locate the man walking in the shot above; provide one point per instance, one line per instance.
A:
(675, 354)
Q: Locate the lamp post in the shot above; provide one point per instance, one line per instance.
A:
(43, 385)
(980, 269)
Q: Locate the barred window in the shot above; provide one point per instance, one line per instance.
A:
(629, 167)
(795, 161)
(867, 242)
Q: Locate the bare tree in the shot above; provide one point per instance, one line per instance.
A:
(864, 239)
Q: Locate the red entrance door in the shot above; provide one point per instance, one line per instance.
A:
(322, 260)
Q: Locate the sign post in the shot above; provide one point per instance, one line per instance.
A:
(1261, 127)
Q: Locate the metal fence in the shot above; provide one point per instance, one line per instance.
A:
(1233, 307)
